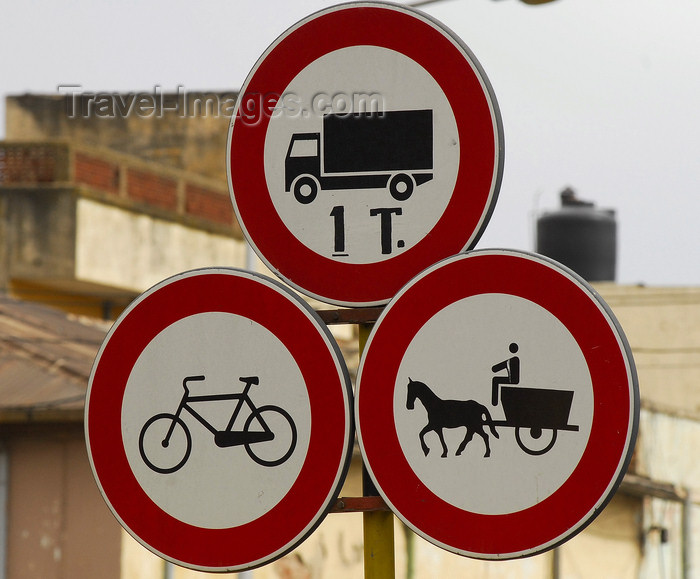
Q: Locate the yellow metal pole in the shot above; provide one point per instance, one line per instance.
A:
(377, 526)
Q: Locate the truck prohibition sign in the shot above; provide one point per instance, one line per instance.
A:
(362, 151)
(347, 200)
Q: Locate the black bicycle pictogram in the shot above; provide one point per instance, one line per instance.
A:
(269, 434)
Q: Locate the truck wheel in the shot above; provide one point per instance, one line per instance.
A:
(305, 189)
(401, 186)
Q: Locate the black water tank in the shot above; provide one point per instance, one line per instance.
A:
(581, 237)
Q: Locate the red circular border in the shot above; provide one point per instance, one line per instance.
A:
(615, 416)
(330, 446)
(481, 151)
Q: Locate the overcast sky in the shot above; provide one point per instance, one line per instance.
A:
(599, 95)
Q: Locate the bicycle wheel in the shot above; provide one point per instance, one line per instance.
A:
(284, 436)
(161, 454)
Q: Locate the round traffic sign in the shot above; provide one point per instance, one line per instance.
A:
(218, 419)
(497, 404)
(365, 146)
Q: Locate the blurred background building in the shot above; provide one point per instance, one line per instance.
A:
(96, 208)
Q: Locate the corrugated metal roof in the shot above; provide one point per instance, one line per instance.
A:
(45, 360)
(46, 356)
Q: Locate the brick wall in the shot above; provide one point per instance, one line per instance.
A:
(151, 188)
(22, 163)
(128, 179)
(208, 204)
(96, 173)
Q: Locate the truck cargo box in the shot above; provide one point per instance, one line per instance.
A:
(388, 141)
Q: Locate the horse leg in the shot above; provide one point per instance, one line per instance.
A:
(442, 440)
(467, 439)
(480, 432)
(422, 434)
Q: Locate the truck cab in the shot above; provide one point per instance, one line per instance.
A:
(303, 164)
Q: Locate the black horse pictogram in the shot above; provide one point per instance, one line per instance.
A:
(450, 414)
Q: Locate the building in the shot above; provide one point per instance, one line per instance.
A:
(90, 216)
(54, 522)
(63, 198)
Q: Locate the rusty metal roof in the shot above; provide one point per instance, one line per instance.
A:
(46, 356)
(45, 360)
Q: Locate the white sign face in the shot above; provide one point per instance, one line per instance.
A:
(348, 224)
(455, 359)
(366, 145)
(497, 404)
(230, 343)
(218, 420)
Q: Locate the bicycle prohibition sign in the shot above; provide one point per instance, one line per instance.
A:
(268, 435)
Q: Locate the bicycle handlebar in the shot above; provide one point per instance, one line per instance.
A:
(191, 379)
(248, 380)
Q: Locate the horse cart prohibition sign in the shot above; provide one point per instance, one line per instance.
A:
(518, 497)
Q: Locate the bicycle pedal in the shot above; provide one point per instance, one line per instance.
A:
(224, 438)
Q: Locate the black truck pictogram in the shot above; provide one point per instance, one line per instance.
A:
(391, 149)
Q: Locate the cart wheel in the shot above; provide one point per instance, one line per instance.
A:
(535, 441)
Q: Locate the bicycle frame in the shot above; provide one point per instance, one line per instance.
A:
(242, 398)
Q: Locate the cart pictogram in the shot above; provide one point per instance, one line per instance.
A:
(536, 414)
(269, 434)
